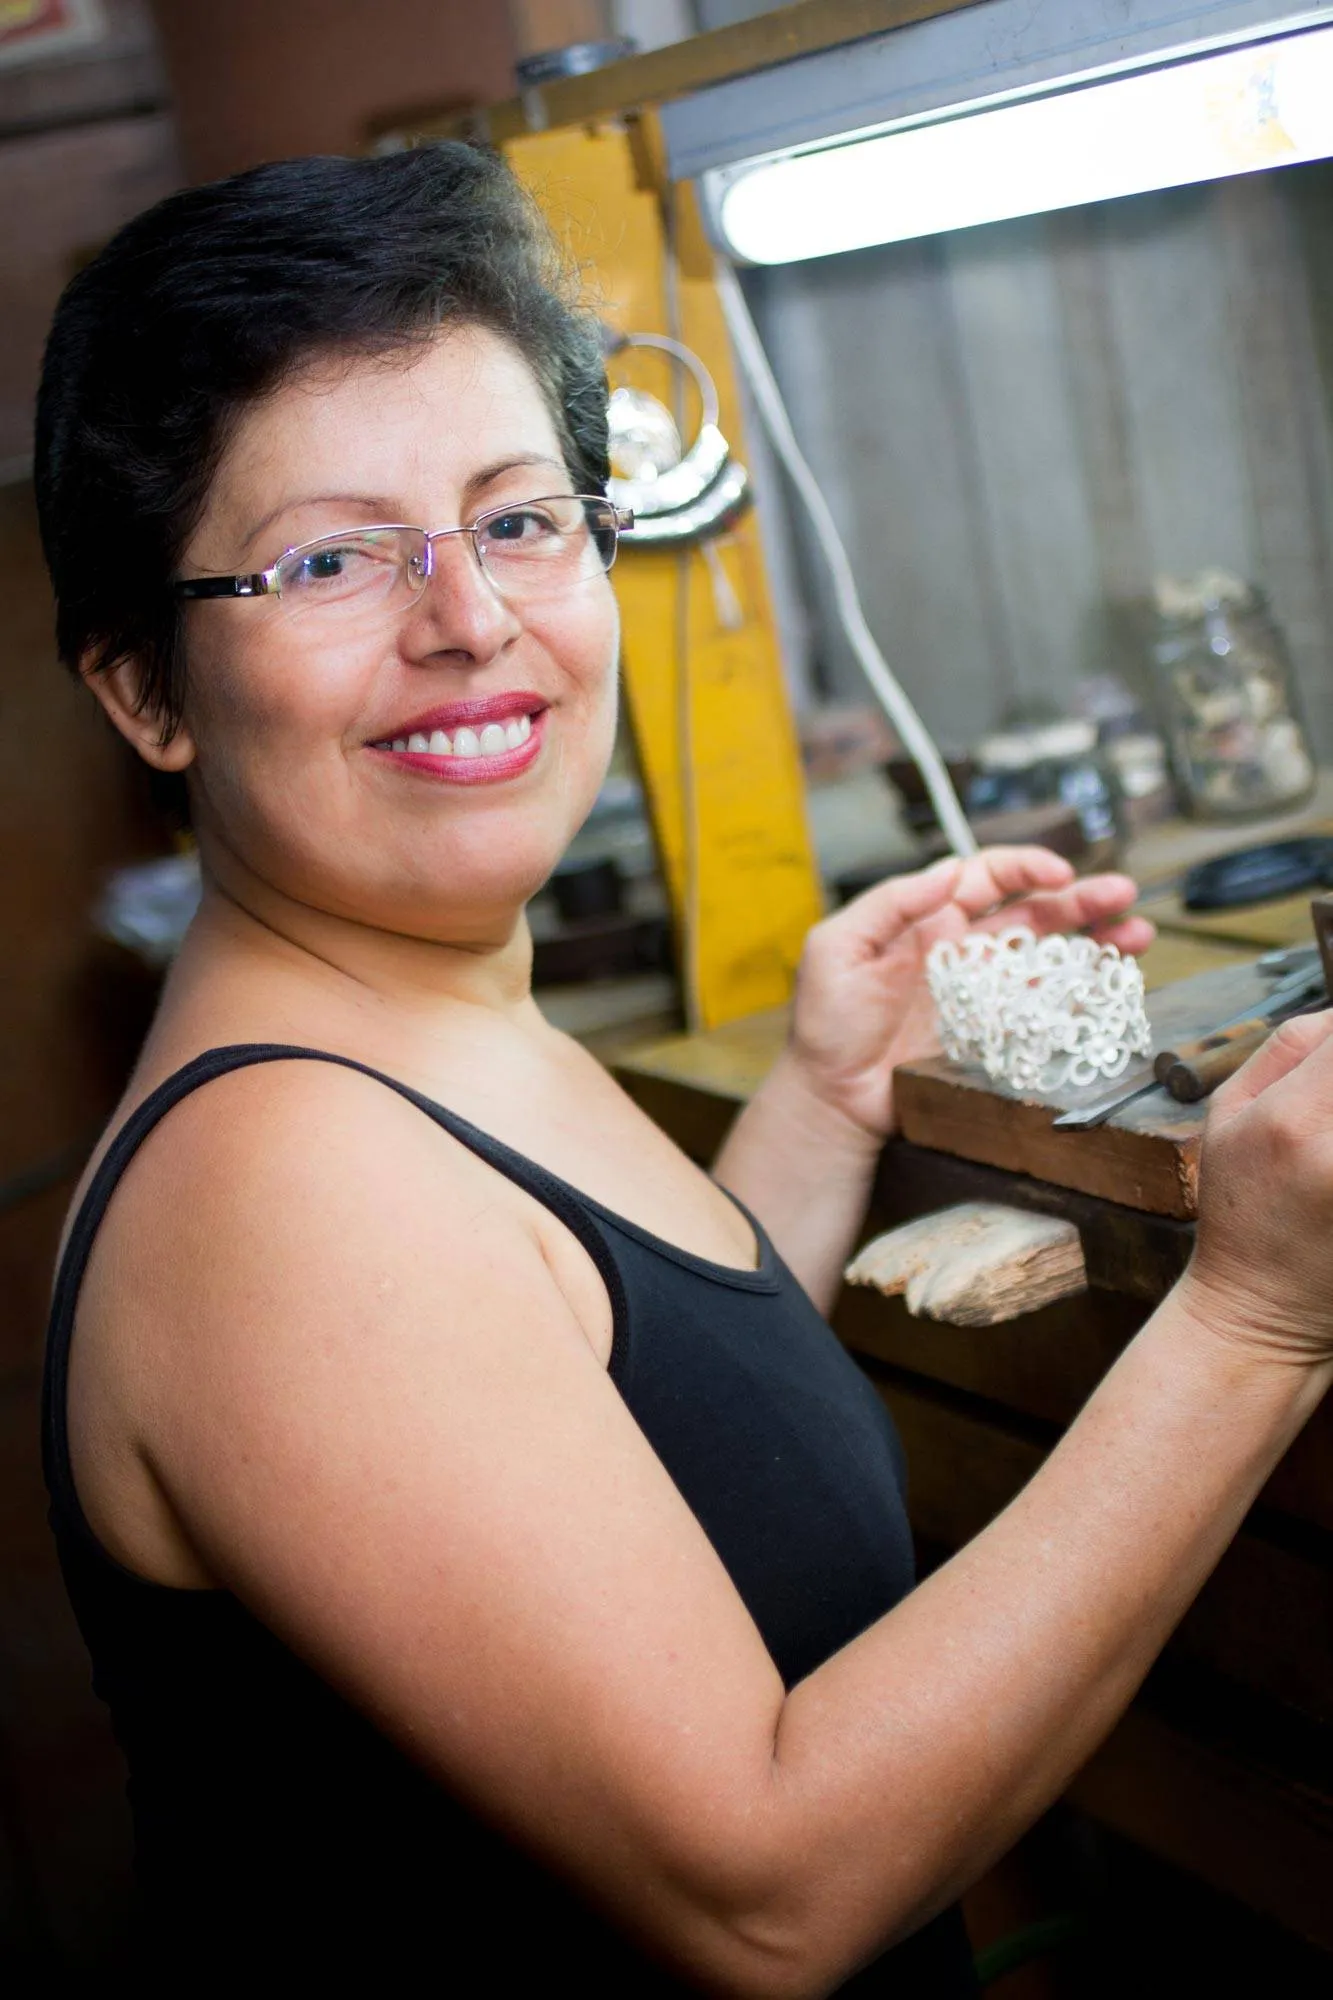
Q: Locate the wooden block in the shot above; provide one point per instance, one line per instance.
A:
(960, 1111)
(1126, 1250)
(976, 1264)
(1145, 1157)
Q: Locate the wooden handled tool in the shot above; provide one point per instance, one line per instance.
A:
(1195, 1069)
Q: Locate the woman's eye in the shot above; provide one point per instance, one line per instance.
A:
(329, 562)
(341, 568)
(524, 524)
(325, 565)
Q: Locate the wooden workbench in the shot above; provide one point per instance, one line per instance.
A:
(1223, 1765)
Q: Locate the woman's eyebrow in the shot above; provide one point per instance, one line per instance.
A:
(376, 505)
(518, 463)
(381, 508)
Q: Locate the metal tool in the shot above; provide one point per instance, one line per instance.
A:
(1296, 989)
(1291, 958)
(1126, 1090)
(1301, 987)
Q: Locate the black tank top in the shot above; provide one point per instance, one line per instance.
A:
(277, 1831)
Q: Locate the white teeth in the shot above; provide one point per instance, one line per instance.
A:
(493, 740)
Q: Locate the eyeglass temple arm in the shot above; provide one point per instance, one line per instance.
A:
(257, 585)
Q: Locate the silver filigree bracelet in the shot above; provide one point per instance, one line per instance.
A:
(1039, 1014)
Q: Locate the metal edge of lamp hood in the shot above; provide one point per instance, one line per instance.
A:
(990, 53)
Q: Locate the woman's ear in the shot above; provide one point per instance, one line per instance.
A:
(120, 690)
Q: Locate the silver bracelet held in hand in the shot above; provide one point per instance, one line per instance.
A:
(1038, 1014)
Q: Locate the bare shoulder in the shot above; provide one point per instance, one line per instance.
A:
(290, 1181)
(284, 1226)
(276, 1153)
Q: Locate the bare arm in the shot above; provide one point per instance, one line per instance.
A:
(381, 1435)
(805, 1169)
(802, 1154)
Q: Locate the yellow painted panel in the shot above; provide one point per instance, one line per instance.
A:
(729, 819)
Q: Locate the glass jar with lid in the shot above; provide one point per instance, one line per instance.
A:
(1228, 700)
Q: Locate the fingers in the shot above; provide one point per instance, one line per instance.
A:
(998, 887)
(1096, 904)
(1132, 937)
(1303, 1043)
(997, 873)
(877, 916)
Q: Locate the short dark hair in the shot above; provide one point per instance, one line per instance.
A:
(205, 302)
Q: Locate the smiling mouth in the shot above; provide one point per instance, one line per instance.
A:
(493, 739)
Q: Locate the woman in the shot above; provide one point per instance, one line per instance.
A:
(492, 1564)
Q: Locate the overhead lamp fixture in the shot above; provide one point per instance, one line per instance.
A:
(1267, 104)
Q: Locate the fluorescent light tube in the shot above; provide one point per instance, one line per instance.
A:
(1266, 105)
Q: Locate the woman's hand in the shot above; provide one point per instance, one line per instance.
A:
(862, 1004)
(1262, 1271)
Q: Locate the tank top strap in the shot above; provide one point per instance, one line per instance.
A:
(563, 1201)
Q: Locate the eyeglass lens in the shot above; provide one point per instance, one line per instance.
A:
(530, 549)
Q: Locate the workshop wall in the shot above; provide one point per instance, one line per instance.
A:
(253, 82)
(1019, 426)
(84, 144)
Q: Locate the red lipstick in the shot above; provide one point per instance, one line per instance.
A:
(473, 714)
(478, 742)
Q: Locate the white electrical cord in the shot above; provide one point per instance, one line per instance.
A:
(916, 738)
(690, 921)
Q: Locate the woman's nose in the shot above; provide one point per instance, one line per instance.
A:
(458, 610)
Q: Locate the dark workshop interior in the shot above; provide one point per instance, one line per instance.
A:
(1077, 455)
